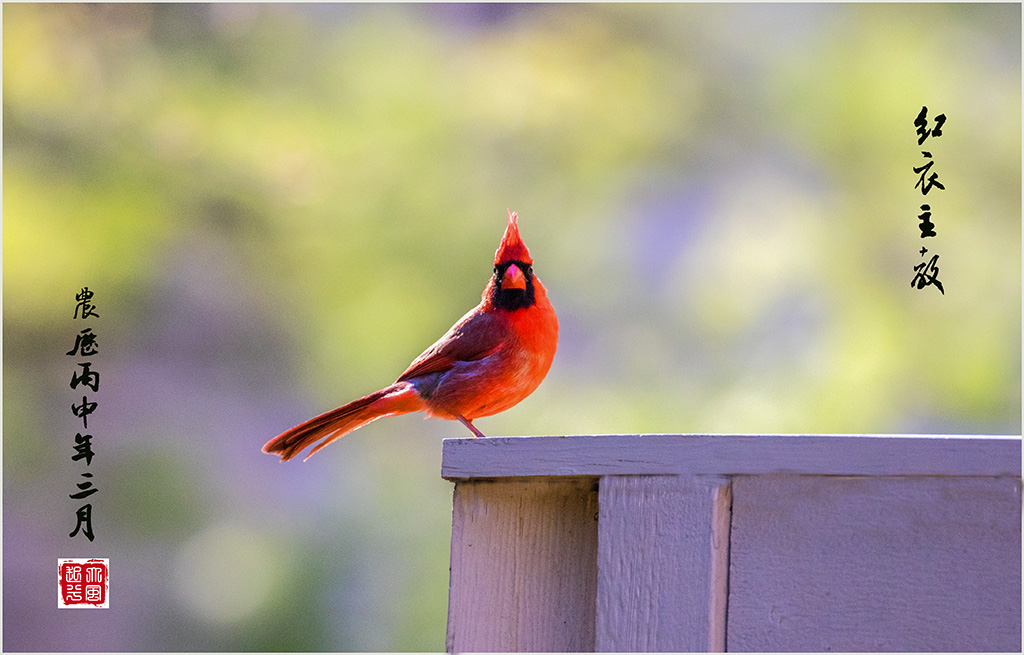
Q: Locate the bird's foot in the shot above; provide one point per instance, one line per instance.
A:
(469, 424)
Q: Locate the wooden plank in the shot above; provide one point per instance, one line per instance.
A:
(523, 566)
(662, 563)
(680, 454)
(875, 564)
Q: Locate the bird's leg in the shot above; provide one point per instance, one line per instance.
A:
(469, 424)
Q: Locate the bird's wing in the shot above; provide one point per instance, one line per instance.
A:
(477, 335)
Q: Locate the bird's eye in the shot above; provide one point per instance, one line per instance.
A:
(529, 271)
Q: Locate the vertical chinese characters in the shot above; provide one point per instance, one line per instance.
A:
(927, 273)
(86, 347)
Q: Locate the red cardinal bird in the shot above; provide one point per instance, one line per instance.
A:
(495, 356)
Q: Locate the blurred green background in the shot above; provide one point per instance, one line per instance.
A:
(279, 207)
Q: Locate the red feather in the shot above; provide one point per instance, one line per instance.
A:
(492, 358)
(466, 341)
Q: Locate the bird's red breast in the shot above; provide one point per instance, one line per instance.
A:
(501, 350)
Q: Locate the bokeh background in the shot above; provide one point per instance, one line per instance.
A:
(279, 207)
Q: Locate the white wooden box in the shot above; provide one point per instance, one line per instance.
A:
(735, 542)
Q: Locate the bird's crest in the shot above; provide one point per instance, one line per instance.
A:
(512, 247)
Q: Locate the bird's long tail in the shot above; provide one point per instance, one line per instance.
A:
(399, 398)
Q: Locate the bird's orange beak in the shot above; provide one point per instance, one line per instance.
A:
(513, 278)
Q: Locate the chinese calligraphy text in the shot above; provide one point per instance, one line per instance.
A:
(927, 272)
(86, 346)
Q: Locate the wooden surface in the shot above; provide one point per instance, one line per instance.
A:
(658, 454)
(662, 563)
(875, 564)
(771, 543)
(523, 575)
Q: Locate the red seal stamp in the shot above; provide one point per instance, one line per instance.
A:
(83, 583)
